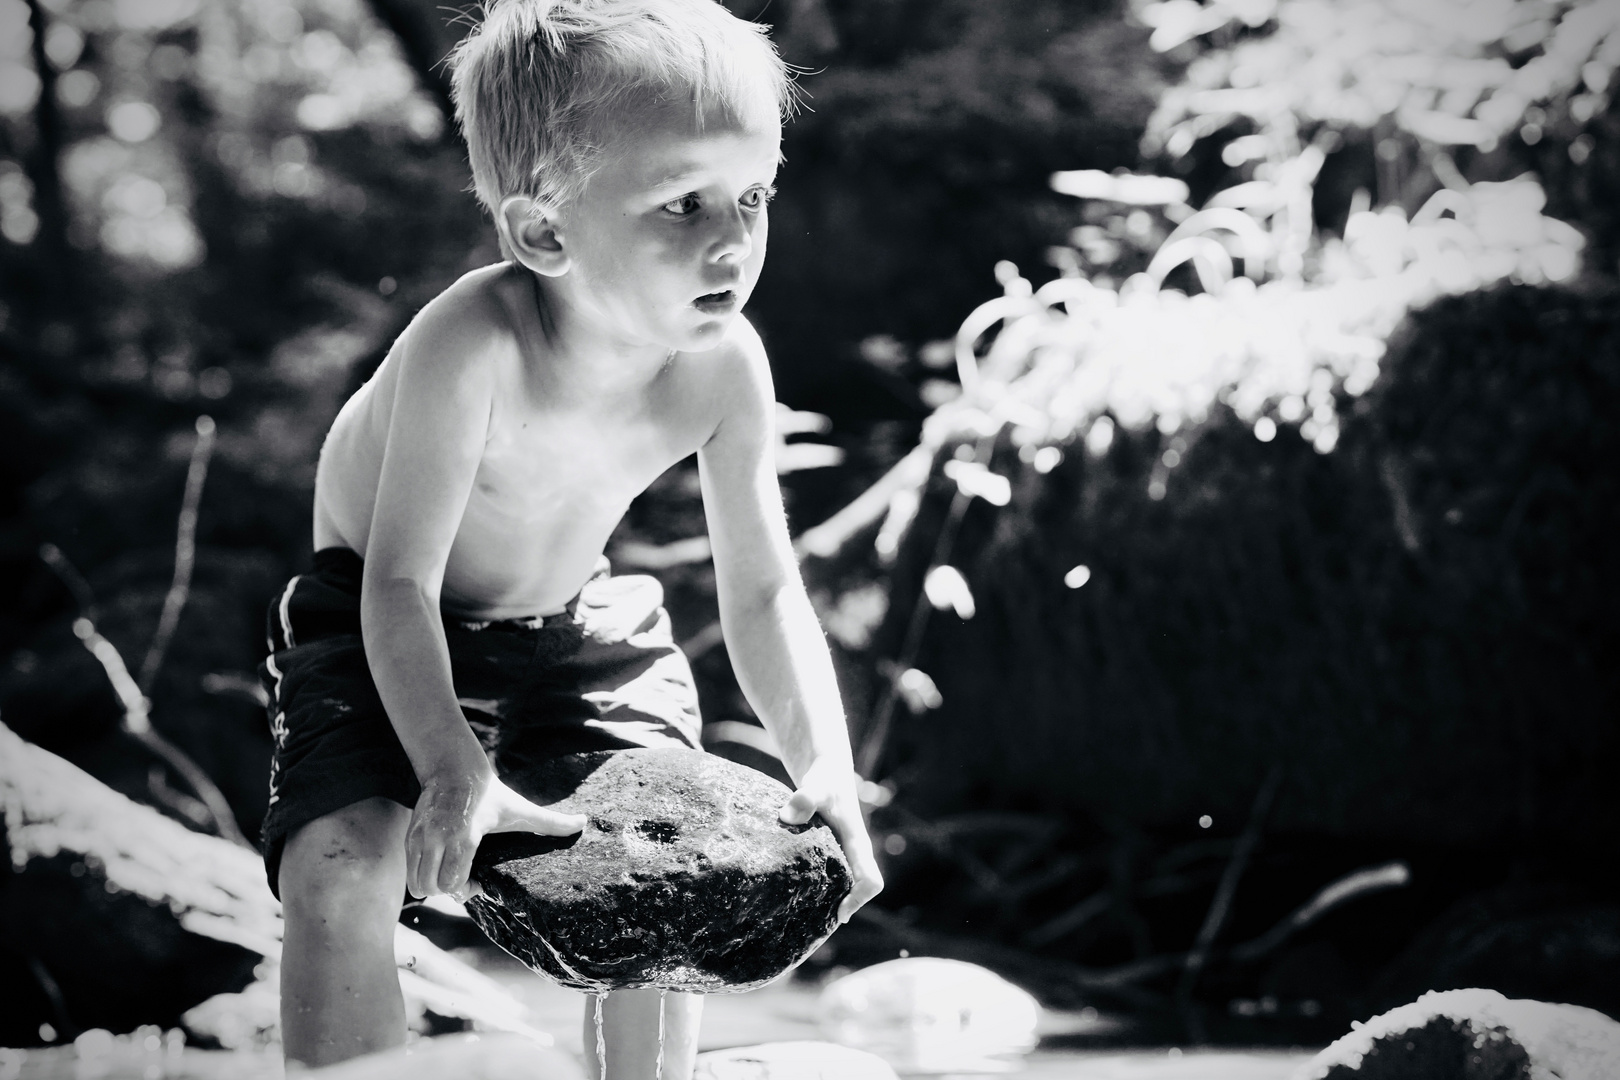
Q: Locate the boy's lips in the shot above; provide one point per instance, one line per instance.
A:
(716, 301)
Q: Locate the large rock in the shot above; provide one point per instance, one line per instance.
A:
(684, 878)
(1474, 1035)
(927, 1014)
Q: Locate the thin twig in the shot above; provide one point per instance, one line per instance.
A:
(870, 755)
(138, 722)
(185, 555)
(65, 1027)
(68, 574)
(137, 719)
(1221, 906)
(1373, 879)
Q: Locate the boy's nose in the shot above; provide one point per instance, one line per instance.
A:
(733, 236)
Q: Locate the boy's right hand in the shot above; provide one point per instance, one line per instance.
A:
(456, 811)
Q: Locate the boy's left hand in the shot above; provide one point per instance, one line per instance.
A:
(828, 790)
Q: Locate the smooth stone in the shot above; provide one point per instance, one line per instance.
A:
(807, 1060)
(1474, 1035)
(684, 878)
(928, 1014)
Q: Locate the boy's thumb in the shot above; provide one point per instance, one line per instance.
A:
(798, 809)
(538, 819)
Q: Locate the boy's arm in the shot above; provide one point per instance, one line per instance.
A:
(438, 424)
(771, 630)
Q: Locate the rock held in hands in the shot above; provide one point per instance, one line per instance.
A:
(684, 878)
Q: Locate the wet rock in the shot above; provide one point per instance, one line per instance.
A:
(926, 1014)
(805, 1060)
(683, 879)
(1474, 1035)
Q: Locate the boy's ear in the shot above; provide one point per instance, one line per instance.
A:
(529, 229)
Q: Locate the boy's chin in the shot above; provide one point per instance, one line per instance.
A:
(706, 333)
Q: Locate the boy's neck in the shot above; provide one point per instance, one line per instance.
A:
(586, 359)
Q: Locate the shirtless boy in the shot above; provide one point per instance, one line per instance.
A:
(626, 149)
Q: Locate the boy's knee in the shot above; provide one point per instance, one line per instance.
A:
(347, 866)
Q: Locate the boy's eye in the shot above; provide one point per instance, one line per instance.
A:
(685, 206)
(755, 198)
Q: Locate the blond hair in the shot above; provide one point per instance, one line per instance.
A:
(539, 84)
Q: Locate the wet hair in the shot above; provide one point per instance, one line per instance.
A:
(540, 86)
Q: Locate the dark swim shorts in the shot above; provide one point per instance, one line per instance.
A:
(603, 675)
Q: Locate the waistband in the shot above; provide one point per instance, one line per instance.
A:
(343, 569)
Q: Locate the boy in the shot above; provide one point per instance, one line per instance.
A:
(457, 623)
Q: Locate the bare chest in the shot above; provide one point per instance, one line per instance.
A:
(585, 464)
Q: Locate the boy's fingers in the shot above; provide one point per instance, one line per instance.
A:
(868, 881)
(425, 882)
(859, 894)
(467, 892)
(798, 809)
(538, 819)
(863, 867)
(413, 864)
(456, 866)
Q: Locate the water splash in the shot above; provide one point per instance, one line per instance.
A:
(658, 1065)
(601, 1041)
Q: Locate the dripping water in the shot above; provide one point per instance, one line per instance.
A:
(601, 1042)
(658, 1066)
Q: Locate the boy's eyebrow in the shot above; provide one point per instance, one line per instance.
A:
(676, 175)
(682, 171)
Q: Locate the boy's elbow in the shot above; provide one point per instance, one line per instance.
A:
(766, 599)
(390, 596)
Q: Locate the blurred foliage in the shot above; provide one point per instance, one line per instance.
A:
(250, 201)
(920, 159)
(1304, 462)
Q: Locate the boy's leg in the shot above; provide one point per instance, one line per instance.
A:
(630, 1031)
(342, 879)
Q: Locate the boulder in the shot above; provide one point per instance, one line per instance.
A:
(684, 878)
(926, 1014)
(806, 1060)
(1474, 1035)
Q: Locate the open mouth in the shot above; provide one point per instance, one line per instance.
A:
(719, 299)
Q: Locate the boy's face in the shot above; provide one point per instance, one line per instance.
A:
(668, 238)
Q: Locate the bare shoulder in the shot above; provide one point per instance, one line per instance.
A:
(738, 375)
(466, 323)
